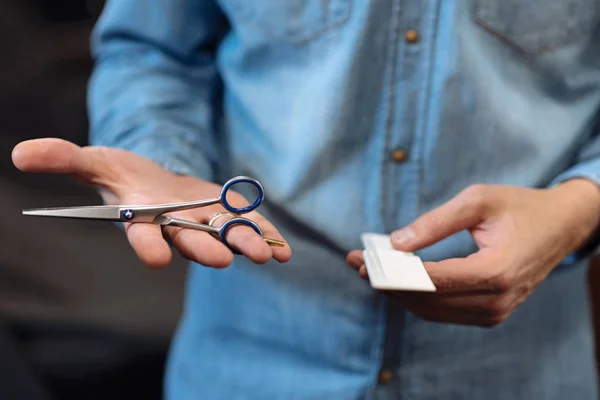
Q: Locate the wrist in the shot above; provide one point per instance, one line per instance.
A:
(580, 199)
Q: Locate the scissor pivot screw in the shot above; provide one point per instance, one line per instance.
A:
(128, 215)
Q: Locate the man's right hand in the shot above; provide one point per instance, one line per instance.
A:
(123, 177)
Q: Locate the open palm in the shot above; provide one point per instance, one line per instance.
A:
(122, 177)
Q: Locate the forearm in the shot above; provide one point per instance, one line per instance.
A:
(164, 116)
(155, 82)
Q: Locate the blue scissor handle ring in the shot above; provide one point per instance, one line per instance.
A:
(237, 221)
(234, 181)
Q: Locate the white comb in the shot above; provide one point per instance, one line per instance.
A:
(391, 269)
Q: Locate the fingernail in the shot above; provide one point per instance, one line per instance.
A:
(403, 235)
(16, 153)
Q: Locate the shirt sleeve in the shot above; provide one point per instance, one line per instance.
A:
(155, 86)
(586, 166)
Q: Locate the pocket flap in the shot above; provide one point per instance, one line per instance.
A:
(536, 26)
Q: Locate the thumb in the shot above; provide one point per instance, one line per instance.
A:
(51, 155)
(464, 211)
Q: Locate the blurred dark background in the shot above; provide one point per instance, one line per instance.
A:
(80, 316)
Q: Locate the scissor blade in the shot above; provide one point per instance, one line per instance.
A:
(110, 213)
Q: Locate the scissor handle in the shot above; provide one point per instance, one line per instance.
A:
(241, 210)
(231, 223)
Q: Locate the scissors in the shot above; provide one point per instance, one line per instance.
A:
(154, 213)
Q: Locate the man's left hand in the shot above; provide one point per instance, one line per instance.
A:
(522, 235)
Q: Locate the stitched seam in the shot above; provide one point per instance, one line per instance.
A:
(380, 301)
(391, 101)
(519, 45)
(306, 36)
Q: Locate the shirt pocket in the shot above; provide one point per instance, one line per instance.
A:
(538, 26)
(297, 22)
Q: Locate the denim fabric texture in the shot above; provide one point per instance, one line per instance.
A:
(312, 98)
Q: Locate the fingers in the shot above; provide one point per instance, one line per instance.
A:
(88, 165)
(281, 254)
(199, 247)
(472, 291)
(464, 211)
(355, 259)
(362, 272)
(482, 272)
(185, 230)
(483, 304)
(484, 309)
(149, 245)
(51, 155)
(465, 308)
(245, 240)
(208, 250)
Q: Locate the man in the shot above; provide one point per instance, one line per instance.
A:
(464, 128)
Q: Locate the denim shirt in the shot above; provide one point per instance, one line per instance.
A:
(358, 116)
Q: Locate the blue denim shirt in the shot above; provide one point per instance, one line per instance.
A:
(313, 98)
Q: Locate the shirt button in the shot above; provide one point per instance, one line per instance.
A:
(399, 155)
(411, 36)
(385, 376)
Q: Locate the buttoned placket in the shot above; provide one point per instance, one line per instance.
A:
(412, 38)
